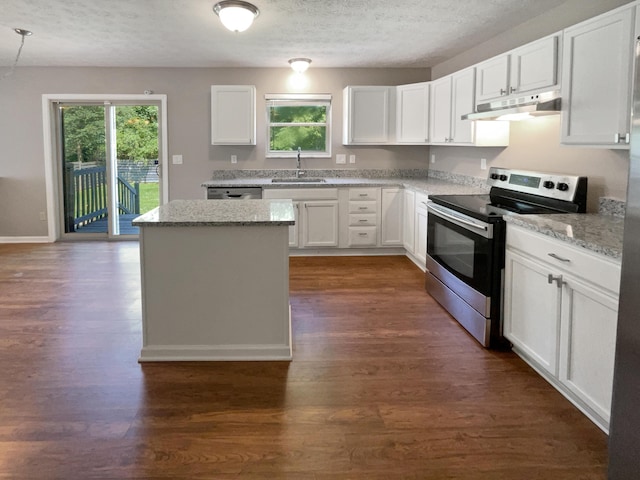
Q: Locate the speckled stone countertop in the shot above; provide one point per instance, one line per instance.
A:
(429, 186)
(595, 232)
(209, 213)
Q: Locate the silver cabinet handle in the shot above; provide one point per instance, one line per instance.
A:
(503, 91)
(363, 208)
(513, 90)
(556, 278)
(362, 234)
(558, 257)
(621, 138)
(363, 221)
(363, 194)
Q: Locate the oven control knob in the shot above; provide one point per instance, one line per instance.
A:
(563, 187)
(548, 184)
(495, 176)
(503, 177)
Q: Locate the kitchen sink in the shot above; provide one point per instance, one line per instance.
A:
(298, 180)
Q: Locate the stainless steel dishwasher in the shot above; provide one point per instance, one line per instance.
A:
(233, 193)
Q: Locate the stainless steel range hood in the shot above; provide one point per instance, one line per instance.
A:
(520, 108)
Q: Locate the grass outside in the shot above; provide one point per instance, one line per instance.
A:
(149, 196)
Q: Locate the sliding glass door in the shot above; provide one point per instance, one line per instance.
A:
(109, 170)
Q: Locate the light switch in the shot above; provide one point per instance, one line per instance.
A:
(352, 159)
(176, 159)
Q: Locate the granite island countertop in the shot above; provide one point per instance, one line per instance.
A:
(595, 232)
(210, 213)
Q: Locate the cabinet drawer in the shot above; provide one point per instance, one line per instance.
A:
(362, 219)
(363, 193)
(362, 207)
(565, 257)
(363, 236)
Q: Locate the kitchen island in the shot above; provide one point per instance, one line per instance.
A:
(215, 280)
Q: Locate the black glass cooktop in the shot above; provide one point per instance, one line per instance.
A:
(481, 207)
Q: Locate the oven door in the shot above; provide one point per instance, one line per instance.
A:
(461, 245)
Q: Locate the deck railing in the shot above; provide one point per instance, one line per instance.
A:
(86, 196)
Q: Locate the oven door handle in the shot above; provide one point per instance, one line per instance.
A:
(442, 212)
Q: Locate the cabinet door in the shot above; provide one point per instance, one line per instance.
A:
(366, 115)
(492, 79)
(440, 116)
(294, 230)
(587, 346)
(534, 66)
(421, 229)
(597, 61)
(412, 113)
(532, 311)
(320, 223)
(408, 221)
(233, 115)
(391, 214)
(463, 86)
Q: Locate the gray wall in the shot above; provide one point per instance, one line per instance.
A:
(22, 177)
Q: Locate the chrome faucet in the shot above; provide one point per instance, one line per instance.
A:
(298, 172)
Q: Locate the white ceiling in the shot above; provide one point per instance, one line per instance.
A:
(186, 33)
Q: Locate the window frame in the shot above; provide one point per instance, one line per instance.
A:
(287, 99)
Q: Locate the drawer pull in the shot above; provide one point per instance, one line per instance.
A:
(363, 221)
(362, 234)
(363, 208)
(364, 194)
(558, 257)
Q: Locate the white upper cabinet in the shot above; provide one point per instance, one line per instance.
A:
(534, 67)
(368, 114)
(440, 114)
(492, 77)
(233, 115)
(596, 80)
(451, 98)
(527, 69)
(412, 116)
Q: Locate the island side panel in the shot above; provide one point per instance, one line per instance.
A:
(215, 293)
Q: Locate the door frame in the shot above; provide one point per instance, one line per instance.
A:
(52, 168)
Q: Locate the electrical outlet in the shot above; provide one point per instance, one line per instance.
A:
(341, 158)
(43, 216)
(352, 159)
(433, 158)
(176, 159)
(483, 164)
(234, 159)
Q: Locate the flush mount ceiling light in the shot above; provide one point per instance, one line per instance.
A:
(300, 65)
(237, 16)
(23, 33)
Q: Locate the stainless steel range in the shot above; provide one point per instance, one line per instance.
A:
(465, 242)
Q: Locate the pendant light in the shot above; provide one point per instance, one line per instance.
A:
(237, 16)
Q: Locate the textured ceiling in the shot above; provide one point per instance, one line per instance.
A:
(186, 33)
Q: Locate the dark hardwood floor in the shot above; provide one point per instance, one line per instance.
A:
(383, 385)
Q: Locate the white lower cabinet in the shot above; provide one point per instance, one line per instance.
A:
(391, 217)
(409, 221)
(320, 223)
(420, 252)
(560, 313)
(316, 211)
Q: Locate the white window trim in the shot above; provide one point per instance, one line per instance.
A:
(294, 98)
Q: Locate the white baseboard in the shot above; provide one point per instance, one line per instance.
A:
(344, 252)
(25, 240)
(214, 353)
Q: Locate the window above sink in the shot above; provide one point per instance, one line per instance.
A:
(298, 121)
